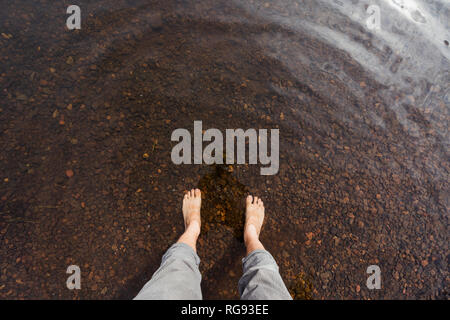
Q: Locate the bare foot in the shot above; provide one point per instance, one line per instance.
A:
(254, 217)
(191, 209)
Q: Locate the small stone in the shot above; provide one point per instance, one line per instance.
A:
(21, 97)
(156, 22)
(69, 173)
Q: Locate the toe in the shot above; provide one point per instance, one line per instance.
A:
(186, 195)
(249, 199)
(197, 193)
(192, 193)
(255, 200)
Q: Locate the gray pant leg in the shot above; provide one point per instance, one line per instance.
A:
(261, 279)
(178, 277)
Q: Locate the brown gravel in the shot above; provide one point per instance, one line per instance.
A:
(93, 184)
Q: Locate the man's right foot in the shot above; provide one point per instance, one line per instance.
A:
(254, 217)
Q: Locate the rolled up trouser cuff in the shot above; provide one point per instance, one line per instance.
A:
(261, 279)
(261, 258)
(181, 250)
(177, 278)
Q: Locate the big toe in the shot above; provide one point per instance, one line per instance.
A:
(197, 192)
(249, 200)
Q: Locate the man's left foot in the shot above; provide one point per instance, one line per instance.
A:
(191, 210)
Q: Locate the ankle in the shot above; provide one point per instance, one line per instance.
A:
(250, 234)
(193, 228)
(190, 235)
(249, 238)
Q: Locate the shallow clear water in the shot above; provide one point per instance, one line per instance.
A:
(86, 118)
